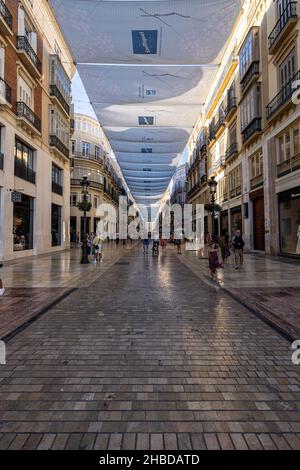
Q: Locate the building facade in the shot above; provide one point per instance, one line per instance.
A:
(36, 68)
(91, 158)
(247, 135)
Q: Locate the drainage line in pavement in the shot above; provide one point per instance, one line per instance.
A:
(259, 315)
(27, 323)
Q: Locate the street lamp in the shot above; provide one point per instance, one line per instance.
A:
(85, 184)
(213, 189)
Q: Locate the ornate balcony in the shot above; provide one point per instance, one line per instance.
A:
(88, 157)
(288, 166)
(219, 125)
(5, 20)
(284, 96)
(250, 76)
(54, 92)
(252, 129)
(29, 56)
(5, 93)
(231, 108)
(27, 117)
(256, 181)
(231, 152)
(24, 172)
(237, 191)
(57, 188)
(93, 184)
(284, 25)
(54, 141)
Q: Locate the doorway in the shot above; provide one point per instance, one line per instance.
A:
(258, 223)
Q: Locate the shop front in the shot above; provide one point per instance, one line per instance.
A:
(23, 223)
(289, 221)
(236, 219)
(56, 225)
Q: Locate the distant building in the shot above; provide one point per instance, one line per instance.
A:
(90, 157)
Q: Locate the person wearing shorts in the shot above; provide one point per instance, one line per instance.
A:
(98, 249)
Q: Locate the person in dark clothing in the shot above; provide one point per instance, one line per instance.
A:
(238, 247)
(213, 260)
(224, 243)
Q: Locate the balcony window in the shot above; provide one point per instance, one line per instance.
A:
(287, 17)
(249, 52)
(235, 182)
(24, 161)
(86, 147)
(59, 131)
(57, 178)
(256, 169)
(250, 107)
(288, 151)
(60, 85)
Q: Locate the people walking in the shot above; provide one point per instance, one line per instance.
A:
(178, 245)
(213, 260)
(238, 248)
(90, 239)
(145, 245)
(224, 243)
(98, 249)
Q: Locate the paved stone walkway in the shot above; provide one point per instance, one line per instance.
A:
(269, 286)
(148, 357)
(33, 284)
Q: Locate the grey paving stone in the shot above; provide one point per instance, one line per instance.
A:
(147, 357)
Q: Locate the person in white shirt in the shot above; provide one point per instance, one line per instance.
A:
(98, 249)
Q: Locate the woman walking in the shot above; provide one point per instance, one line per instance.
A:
(213, 260)
(224, 242)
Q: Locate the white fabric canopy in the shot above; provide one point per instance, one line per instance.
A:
(147, 67)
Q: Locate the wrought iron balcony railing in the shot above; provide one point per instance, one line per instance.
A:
(24, 45)
(5, 90)
(284, 95)
(5, 13)
(288, 166)
(54, 91)
(23, 111)
(56, 142)
(256, 181)
(57, 188)
(231, 106)
(88, 156)
(252, 72)
(288, 14)
(231, 151)
(251, 129)
(24, 172)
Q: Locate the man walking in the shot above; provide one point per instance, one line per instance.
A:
(238, 248)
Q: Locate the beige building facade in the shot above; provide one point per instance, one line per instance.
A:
(36, 68)
(247, 135)
(91, 157)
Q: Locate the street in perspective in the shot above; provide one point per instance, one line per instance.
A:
(150, 230)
